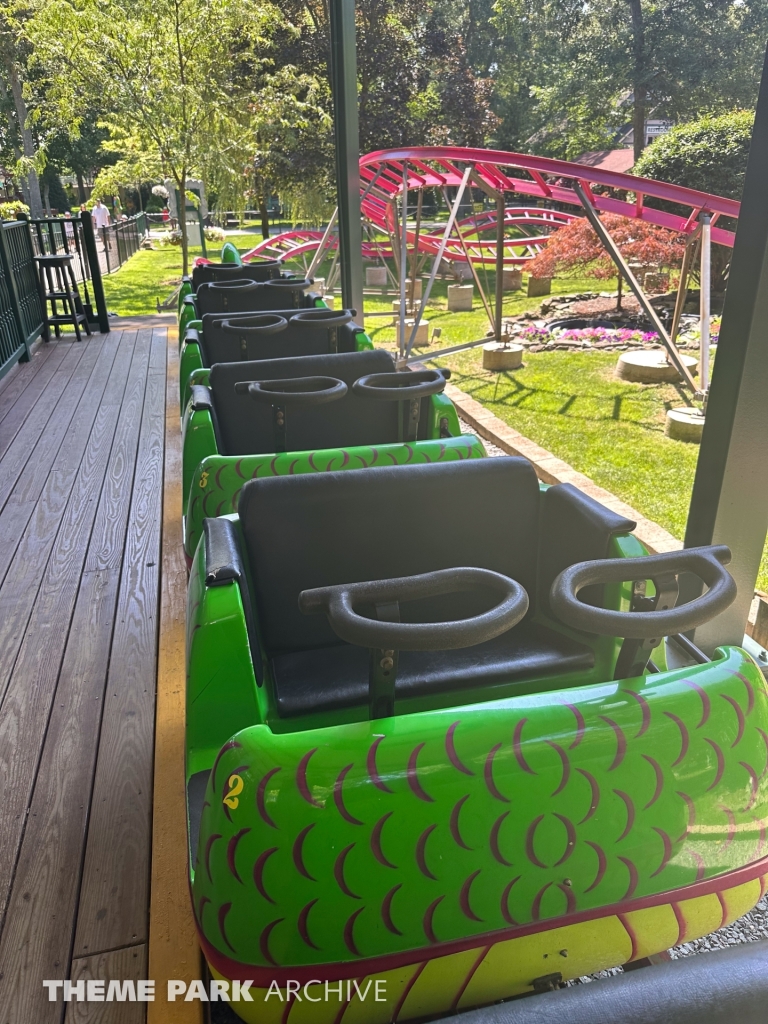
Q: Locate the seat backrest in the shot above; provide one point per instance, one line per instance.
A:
(327, 528)
(220, 346)
(244, 426)
(574, 528)
(250, 297)
(207, 272)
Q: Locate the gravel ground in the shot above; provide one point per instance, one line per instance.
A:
(492, 449)
(750, 928)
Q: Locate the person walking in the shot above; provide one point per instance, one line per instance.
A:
(100, 216)
(69, 231)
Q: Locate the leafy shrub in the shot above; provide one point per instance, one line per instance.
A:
(709, 154)
(8, 211)
(214, 235)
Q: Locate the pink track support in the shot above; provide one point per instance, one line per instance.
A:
(540, 178)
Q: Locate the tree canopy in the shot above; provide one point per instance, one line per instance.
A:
(175, 79)
(578, 73)
(237, 91)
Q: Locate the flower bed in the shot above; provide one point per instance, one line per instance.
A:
(585, 337)
(539, 336)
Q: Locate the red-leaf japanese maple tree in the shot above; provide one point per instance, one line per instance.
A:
(576, 247)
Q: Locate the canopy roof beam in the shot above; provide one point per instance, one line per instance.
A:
(346, 135)
(729, 503)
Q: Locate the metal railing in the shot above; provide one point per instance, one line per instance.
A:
(120, 241)
(54, 235)
(21, 307)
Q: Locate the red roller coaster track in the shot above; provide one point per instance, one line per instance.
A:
(538, 178)
(522, 219)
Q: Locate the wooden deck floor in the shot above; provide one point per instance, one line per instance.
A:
(81, 478)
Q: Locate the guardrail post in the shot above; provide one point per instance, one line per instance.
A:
(96, 283)
(14, 297)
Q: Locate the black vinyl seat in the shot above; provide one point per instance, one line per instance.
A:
(221, 342)
(340, 674)
(240, 295)
(302, 532)
(245, 427)
(265, 270)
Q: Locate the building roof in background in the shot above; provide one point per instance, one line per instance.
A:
(608, 159)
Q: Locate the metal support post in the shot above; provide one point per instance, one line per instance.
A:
(682, 288)
(317, 259)
(499, 266)
(403, 262)
(629, 277)
(705, 284)
(475, 275)
(415, 250)
(438, 258)
(89, 238)
(729, 503)
(344, 86)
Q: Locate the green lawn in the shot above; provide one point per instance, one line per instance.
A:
(152, 274)
(457, 328)
(613, 431)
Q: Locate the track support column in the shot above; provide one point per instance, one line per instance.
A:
(705, 282)
(498, 312)
(344, 86)
(729, 504)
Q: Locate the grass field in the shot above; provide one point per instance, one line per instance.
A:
(457, 328)
(152, 274)
(573, 404)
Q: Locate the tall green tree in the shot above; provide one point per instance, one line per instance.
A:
(418, 83)
(21, 138)
(169, 76)
(80, 151)
(574, 72)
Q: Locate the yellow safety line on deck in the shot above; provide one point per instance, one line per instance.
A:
(173, 949)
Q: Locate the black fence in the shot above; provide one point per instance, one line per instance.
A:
(21, 307)
(120, 241)
(114, 244)
(54, 235)
(76, 237)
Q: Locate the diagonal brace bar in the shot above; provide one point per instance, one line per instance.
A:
(320, 252)
(645, 305)
(439, 256)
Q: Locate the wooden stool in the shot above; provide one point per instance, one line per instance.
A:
(57, 284)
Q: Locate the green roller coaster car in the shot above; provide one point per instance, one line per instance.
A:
(249, 336)
(416, 757)
(309, 414)
(246, 293)
(227, 269)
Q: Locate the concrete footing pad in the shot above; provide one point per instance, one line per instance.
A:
(497, 356)
(685, 424)
(651, 366)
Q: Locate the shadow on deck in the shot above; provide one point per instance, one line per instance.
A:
(81, 492)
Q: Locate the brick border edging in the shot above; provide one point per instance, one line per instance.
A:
(552, 470)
